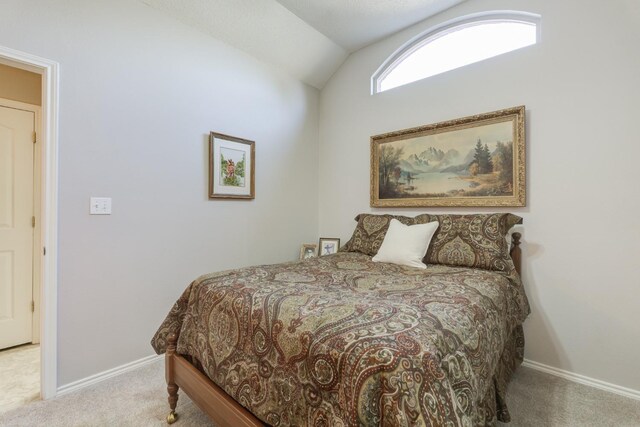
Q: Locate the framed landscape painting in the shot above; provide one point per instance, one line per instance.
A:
(472, 161)
(231, 167)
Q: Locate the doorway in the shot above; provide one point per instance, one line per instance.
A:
(18, 120)
(19, 214)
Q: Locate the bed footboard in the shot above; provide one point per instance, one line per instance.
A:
(211, 399)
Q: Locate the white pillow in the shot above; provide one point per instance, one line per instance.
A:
(406, 244)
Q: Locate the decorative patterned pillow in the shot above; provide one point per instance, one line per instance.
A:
(371, 229)
(476, 240)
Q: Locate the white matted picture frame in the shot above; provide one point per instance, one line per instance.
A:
(231, 167)
(308, 250)
(328, 246)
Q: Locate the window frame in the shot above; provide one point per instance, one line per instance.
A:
(442, 30)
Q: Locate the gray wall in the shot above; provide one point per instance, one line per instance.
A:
(139, 94)
(581, 86)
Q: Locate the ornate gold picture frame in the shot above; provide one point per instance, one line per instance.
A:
(473, 161)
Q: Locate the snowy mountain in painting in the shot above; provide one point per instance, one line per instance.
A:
(432, 160)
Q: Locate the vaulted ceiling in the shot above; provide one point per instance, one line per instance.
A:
(309, 39)
(354, 24)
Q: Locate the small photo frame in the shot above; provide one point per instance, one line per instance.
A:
(308, 250)
(231, 167)
(328, 246)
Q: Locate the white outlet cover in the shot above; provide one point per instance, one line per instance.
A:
(100, 206)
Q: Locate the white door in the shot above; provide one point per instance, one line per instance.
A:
(16, 228)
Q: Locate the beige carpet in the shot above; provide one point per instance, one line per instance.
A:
(536, 399)
(138, 398)
(19, 376)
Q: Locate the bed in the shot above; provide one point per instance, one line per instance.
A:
(341, 340)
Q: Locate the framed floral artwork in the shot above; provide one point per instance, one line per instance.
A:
(231, 167)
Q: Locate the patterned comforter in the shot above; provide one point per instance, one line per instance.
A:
(342, 341)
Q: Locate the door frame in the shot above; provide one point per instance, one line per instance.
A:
(47, 149)
(37, 238)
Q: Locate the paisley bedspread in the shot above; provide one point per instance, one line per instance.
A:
(340, 340)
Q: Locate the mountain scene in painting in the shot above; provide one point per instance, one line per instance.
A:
(471, 162)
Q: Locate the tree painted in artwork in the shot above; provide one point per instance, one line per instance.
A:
(397, 174)
(482, 163)
(503, 164)
(389, 161)
(487, 159)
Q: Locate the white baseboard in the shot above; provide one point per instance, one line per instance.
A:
(110, 373)
(581, 379)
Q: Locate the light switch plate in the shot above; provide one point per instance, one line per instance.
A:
(100, 206)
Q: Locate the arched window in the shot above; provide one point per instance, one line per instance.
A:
(455, 44)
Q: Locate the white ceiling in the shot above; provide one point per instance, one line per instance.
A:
(309, 39)
(354, 24)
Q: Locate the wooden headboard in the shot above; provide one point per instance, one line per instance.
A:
(516, 252)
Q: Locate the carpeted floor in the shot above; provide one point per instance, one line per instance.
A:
(19, 376)
(537, 399)
(138, 398)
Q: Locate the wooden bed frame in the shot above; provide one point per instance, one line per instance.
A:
(223, 410)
